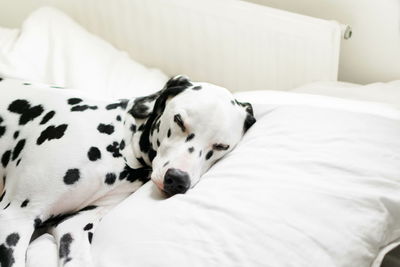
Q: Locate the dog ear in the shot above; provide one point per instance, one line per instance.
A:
(247, 106)
(178, 80)
(143, 106)
(249, 120)
(173, 87)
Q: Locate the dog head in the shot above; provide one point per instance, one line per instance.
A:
(191, 126)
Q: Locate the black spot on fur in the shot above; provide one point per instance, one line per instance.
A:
(158, 143)
(18, 162)
(26, 84)
(65, 247)
(166, 163)
(71, 176)
(2, 195)
(5, 158)
(6, 256)
(52, 132)
(110, 178)
(25, 203)
(105, 128)
(190, 137)
(31, 114)
(12, 239)
(133, 128)
(2, 130)
(37, 222)
(27, 112)
(198, 87)
(141, 161)
(152, 154)
(121, 104)
(49, 115)
(19, 106)
(90, 237)
(122, 145)
(114, 149)
(88, 227)
(169, 133)
(6, 253)
(16, 134)
(200, 153)
(94, 153)
(248, 122)
(191, 149)
(18, 148)
(118, 118)
(209, 154)
(132, 175)
(8, 205)
(178, 120)
(74, 101)
(81, 108)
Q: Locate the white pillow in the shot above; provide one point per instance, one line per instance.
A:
(52, 48)
(308, 186)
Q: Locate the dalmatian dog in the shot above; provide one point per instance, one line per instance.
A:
(66, 159)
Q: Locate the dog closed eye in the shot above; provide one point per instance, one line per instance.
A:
(220, 147)
(178, 120)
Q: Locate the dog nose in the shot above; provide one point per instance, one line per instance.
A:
(176, 182)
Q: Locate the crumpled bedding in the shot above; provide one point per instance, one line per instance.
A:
(314, 182)
(51, 48)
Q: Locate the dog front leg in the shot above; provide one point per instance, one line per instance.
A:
(74, 236)
(16, 229)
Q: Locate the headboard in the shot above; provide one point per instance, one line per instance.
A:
(236, 44)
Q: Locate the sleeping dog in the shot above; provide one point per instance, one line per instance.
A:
(67, 159)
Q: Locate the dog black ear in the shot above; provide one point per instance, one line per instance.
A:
(172, 88)
(179, 80)
(247, 106)
(250, 120)
(143, 106)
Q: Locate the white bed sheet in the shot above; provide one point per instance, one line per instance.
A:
(388, 92)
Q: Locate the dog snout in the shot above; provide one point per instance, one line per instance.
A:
(176, 181)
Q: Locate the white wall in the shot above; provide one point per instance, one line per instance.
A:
(371, 55)
(373, 52)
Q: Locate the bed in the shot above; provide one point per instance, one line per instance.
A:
(314, 182)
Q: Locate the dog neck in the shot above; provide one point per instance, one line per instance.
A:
(134, 128)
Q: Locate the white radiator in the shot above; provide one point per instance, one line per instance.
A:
(236, 44)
